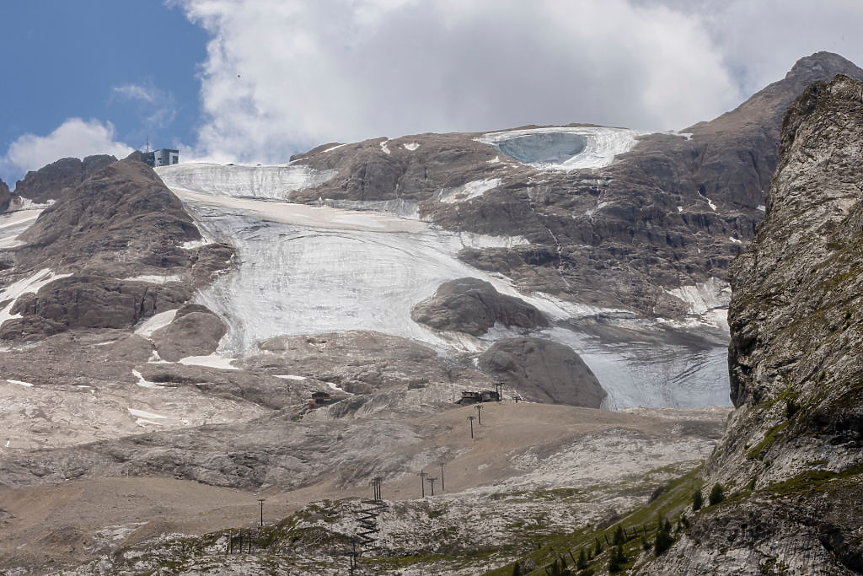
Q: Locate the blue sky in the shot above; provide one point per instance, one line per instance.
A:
(80, 59)
(258, 80)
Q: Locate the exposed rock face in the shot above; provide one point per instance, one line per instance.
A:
(118, 238)
(796, 358)
(473, 306)
(54, 181)
(674, 211)
(121, 220)
(195, 331)
(5, 196)
(360, 362)
(543, 371)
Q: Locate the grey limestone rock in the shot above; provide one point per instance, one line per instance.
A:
(473, 306)
(543, 371)
(195, 331)
(792, 452)
(54, 181)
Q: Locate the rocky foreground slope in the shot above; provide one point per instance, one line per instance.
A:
(792, 454)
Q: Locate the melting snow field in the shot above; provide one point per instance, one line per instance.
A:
(565, 147)
(14, 223)
(308, 269)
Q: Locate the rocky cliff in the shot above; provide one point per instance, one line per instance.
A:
(5, 196)
(53, 181)
(792, 454)
(107, 255)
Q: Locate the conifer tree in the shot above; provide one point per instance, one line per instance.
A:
(697, 501)
(716, 495)
(581, 563)
(619, 537)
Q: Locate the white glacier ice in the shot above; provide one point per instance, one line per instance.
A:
(273, 182)
(564, 147)
(314, 269)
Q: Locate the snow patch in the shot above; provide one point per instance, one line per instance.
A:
(337, 146)
(762, 207)
(290, 377)
(411, 146)
(143, 414)
(142, 382)
(494, 160)
(20, 383)
(153, 279)
(384, 147)
(735, 240)
(680, 208)
(546, 148)
(211, 361)
(153, 323)
(27, 285)
(704, 296)
(468, 191)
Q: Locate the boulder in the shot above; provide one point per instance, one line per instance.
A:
(195, 331)
(473, 306)
(543, 371)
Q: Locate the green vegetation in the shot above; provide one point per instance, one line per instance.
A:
(769, 438)
(716, 496)
(589, 552)
(697, 500)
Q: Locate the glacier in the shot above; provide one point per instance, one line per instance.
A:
(315, 269)
(564, 147)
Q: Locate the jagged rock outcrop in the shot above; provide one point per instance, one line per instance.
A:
(673, 211)
(473, 306)
(118, 238)
(793, 447)
(5, 196)
(54, 181)
(543, 371)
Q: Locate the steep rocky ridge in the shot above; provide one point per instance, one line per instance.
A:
(54, 181)
(5, 196)
(671, 212)
(115, 246)
(792, 452)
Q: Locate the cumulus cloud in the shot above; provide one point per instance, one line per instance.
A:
(74, 138)
(283, 75)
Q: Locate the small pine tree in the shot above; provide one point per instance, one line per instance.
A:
(597, 550)
(716, 495)
(664, 540)
(581, 563)
(616, 559)
(516, 570)
(645, 545)
(619, 537)
(697, 501)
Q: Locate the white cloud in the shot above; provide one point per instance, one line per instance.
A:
(283, 75)
(155, 108)
(74, 138)
(135, 92)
